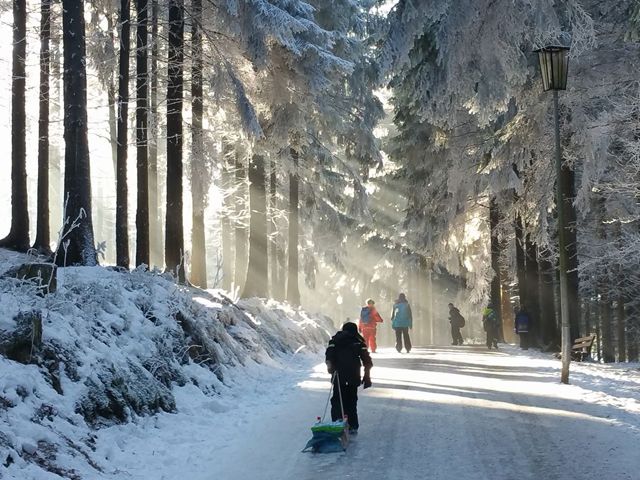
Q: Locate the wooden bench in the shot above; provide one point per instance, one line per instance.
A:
(581, 349)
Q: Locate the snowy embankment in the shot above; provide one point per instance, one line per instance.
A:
(118, 347)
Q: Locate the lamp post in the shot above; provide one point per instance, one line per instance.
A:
(554, 65)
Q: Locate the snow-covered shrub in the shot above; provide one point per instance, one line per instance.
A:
(114, 394)
(20, 343)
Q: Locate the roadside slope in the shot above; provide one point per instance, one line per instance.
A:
(117, 348)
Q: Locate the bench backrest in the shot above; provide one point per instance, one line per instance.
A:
(583, 342)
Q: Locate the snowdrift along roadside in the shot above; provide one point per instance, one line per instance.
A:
(119, 346)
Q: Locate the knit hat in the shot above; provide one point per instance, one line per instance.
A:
(350, 327)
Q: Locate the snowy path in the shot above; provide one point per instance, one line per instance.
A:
(441, 413)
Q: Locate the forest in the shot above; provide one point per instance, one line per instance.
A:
(322, 152)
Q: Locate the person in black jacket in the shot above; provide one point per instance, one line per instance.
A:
(457, 322)
(346, 353)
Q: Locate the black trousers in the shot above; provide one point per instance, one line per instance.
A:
(349, 401)
(456, 336)
(492, 337)
(403, 333)
(524, 340)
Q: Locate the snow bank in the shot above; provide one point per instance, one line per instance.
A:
(117, 347)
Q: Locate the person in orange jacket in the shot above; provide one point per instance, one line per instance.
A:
(369, 320)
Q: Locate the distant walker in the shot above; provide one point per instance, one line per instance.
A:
(457, 321)
(401, 322)
(491, 324)
(368, 324)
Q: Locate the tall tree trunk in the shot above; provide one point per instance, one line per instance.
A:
(496, 290)
(155, 224)
(43, 236)
(533, 296)
(603, 286)
(113, 126)
(77, 246)
(55, 171)
(174, 240)
(122, 205)
(281, 265)
(416, 304)
(273, 234)
(142, 160)
(587, 317)
(428, 300)
(598, 330)
(18, 237)
(113, 102)
(608, 351)
(620, 329)
(568, 178)
(549, 332)
(293, 289)
(240, 230)
(622, 299)
(198, 183)
(225, 217)
(257, 282)
(632, 338)
(521, 263)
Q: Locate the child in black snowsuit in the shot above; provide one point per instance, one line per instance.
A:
(346, 353)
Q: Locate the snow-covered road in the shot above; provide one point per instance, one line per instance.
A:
(438, 413)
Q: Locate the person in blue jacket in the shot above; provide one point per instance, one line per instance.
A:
(401, 322)
(522, 325)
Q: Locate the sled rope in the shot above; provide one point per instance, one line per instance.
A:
(334, 377)
(340, 395)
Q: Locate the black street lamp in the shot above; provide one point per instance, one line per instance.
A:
(554, 65)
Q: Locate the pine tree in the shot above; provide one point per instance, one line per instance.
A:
(276, 280)
(257, 280)
(142, 142)
(228, 253)
(155, 224)
(549, 332)
(240, 231)
(496, 281)
(18, 238)
(198, 242)
(174, 232)
(77, 245)
(43, 236)
(293, 289)
(533, 280)
(573, 285)
(122, 202)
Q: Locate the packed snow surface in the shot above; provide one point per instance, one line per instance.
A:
(438, 413)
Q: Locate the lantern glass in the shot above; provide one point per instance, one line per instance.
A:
(554, 65)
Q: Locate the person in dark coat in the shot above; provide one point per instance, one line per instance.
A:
(522, 325)
(401, 322)
(345, 355)
(457, 322)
